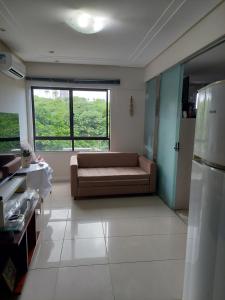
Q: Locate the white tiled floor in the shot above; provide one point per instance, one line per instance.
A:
(80, 252)
(127, 248)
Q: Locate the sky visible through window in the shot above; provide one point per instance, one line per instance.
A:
(90, 95)
(52, 94)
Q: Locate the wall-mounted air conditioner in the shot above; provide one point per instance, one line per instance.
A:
(11, 65)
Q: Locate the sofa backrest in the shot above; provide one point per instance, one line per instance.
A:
(107, 159)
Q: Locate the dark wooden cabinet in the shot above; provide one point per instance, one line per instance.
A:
(19, 248)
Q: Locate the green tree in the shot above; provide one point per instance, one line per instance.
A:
(52, 119)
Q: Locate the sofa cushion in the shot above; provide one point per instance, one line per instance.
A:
(108, 159)
(88, 191)
(105, 183)
(118, 173)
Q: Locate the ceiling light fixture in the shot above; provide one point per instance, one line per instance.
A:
(86, 23)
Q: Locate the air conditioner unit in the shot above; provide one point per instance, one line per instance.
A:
(11, 65)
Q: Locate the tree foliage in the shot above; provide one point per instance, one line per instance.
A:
(9, 128)
(52, 118)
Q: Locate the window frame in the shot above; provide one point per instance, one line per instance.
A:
(71, 137)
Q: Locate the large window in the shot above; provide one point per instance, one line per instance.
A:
(70, 119)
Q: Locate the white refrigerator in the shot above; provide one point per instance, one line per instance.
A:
(204, 277)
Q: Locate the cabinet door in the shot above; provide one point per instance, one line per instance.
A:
(168, 133)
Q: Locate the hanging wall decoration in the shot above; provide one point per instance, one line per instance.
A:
(131, 108)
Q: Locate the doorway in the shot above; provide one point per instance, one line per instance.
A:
(200, 71)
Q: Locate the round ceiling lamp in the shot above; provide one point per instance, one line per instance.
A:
(86, 23)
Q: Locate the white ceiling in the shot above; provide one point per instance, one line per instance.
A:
(138, 30)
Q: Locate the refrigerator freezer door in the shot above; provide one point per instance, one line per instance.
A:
(216, 124)
(205, 262)
(201, 130)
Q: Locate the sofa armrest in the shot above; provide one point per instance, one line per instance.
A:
(146, 164)
(149, 166)
(74, 176)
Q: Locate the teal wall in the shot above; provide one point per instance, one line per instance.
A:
(150, 108)
(168, 132)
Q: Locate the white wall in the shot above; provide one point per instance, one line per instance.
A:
(13, 98)
(184, 165)
(209, 29)
(127, 133)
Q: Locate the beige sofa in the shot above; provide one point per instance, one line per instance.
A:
(111, 173)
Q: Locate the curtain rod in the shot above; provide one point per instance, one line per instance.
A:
(77, 81)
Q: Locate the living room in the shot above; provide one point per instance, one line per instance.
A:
(104, 240)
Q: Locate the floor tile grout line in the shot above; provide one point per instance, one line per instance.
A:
(147, 235)
(63, 238)
(139, 217)
(111, 281)
(83, 238)
(72, 266)
(110, 218)
(119, 235)
(115, 236)
(147, 261)
(112, 263)
(56, 283)
(87, 218)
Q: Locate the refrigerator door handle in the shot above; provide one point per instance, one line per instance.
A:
(177, 146)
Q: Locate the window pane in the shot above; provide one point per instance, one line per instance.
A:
(9, 125)
(9, 146)
(90, 113)
(53, 145)
(91, 145)
(51, 112)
